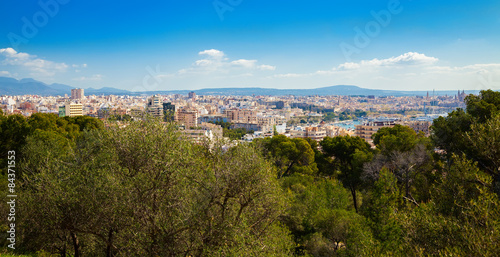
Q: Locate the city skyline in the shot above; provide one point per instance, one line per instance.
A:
(392, 45)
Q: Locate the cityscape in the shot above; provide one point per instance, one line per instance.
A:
(294, 116)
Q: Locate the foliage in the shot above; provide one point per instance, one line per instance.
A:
(289, 155)
(381, 207)
(232, 133)
(461, 218)
(398, 138)
(236, 134)
(322, 219)
(144, 191)
(456, 133)
(350, 154)
(407, 155)
(484, 141)
(350, 115)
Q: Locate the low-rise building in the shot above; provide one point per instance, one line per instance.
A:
(71, 110)
(367, 129)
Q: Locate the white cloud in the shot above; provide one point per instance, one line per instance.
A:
(215, 61)
(244, 63)
(267, 67)
(348, 66)
(291, 75)
(409, 71)
(79, 66)
(36, 66)
(213, 53)
(95, 77)
(5, 73)
(410, 58)
(204, 62)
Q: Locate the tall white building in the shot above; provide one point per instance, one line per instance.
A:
(77, 93)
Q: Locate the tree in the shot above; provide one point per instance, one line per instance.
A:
(239, 203)
(308, 197)
(72, 195)
(483, 106)
(349, 153)
(398, 138)
(461, 218)
(453, 133)
(403, 152)
(484, 141)
(345, 233)
(380, 208)
(448, 132)
(13, 132)
(143, 190)
(322, 161)
(289, 155)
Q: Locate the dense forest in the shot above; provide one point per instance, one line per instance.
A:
(89, 189)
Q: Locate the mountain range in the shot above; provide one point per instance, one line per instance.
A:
(28, 86)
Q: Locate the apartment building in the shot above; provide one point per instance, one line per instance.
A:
(77, 93)
(367, 129)
(154, 106)
(315, 133)
(240, 115)
(71, 110)
(188, 117)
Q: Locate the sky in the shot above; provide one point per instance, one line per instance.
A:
(186, 44)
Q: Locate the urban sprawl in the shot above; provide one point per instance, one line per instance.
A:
(202, 116)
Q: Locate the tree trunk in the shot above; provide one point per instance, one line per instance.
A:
(355, 201)
(63, 250)
(109, 248)
(76, 244)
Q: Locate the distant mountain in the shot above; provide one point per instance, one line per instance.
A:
(332, 90)
(106, 91)
(28, 86)
(10, 86)
(61, 87)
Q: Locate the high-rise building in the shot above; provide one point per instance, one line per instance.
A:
(192, 95)
(154, 106)
(77, 93)
(154, 101)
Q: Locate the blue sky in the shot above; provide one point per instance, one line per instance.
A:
(166, 45)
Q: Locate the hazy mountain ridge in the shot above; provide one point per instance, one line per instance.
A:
(11, 86)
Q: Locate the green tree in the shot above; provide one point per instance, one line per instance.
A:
(143, 190)
(448, 132)
(397, 138)
(461, 218)
(349, 153)
(452, 134)
(310, 196)
(484, 141)
(406, 154)
(380, 208)
(71, 195)
(345, 233)
(483, 106)
(13, 132)
(289, 155)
